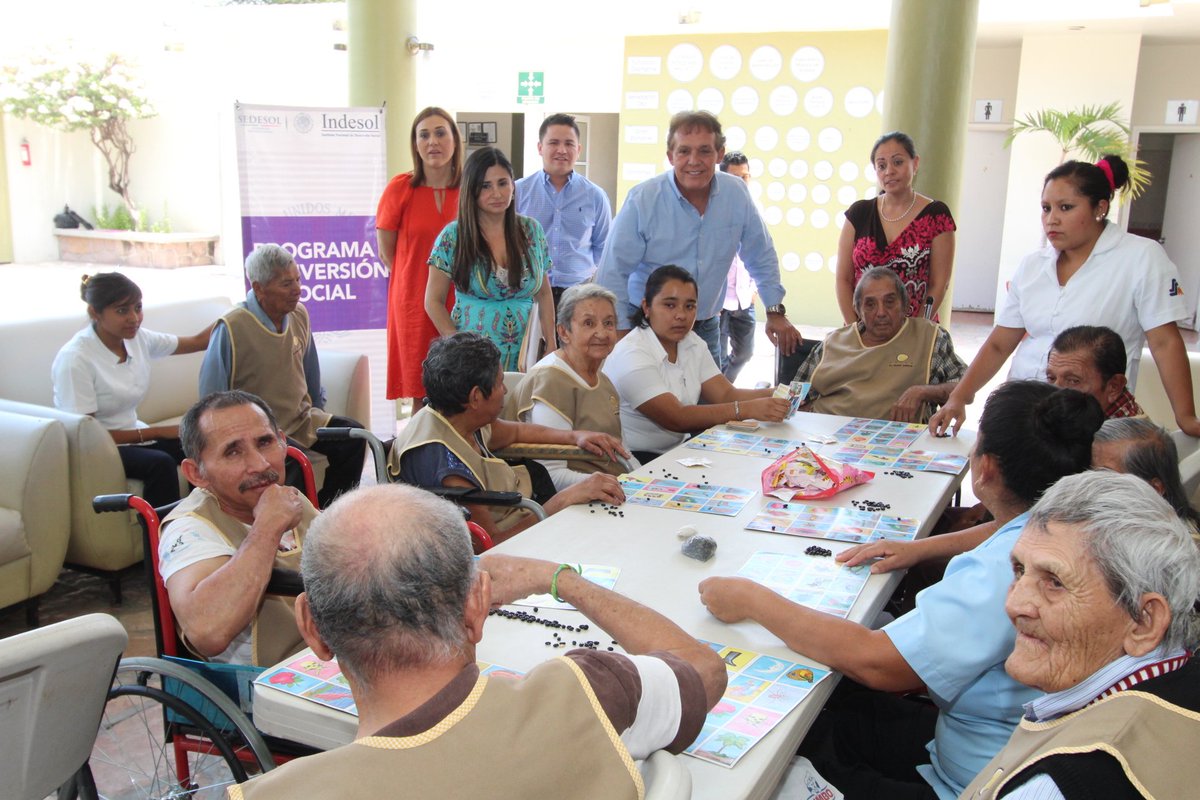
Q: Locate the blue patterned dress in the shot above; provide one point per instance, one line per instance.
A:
(490, 307)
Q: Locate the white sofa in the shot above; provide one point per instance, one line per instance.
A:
(109, 542)
(34, 511)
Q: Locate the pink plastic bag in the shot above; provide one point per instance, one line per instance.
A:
(805, 475)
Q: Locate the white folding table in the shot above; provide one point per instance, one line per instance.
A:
(644, 544)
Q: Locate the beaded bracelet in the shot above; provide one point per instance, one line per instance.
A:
(737, 410)
(554, 581)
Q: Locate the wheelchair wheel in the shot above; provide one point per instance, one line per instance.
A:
(169, 733)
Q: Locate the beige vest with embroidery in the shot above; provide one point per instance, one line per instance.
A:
(271, 365)
(274, 635)
(542, 737)
(860, 381)
(493, 474)
(1152, 739)
(587, 409)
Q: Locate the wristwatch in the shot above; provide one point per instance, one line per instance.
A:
(777, 309)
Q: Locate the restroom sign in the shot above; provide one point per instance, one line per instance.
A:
(531, 88)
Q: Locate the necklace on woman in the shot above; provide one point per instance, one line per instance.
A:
(911, 203)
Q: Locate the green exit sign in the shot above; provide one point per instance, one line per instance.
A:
(531, 88)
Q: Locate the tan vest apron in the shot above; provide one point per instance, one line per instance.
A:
(274, 635)
(271, 365)
(1143, 732)
(542, 737)
(860, 381)
(588, 409)
(493, 474)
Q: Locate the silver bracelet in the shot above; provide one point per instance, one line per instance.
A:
(737, 410)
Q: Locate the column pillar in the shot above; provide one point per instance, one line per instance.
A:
(930, 55)
(382, 70)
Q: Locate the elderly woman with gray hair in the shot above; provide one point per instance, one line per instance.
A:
(566, 390)
(1136, 446)
(1103, 599)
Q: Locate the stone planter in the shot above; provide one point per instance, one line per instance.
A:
(137, 249)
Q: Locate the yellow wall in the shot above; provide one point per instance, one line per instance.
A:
(809, 160)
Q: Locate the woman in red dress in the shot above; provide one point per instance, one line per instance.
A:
(899, 228)
(413, 210)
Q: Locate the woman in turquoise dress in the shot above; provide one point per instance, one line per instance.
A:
(497, 261)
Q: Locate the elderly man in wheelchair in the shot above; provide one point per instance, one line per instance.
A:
(452, 441)
(219, 545)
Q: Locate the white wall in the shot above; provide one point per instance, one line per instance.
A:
(1056, 72)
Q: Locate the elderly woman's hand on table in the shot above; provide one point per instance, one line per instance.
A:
(597, 486)
(602, 444)
(729, 599)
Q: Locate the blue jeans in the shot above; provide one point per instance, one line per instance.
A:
(737, 341)
(710, 331)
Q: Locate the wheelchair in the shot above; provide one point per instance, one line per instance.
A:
(173, 726)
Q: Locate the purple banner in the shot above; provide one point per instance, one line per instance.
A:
(344, 281)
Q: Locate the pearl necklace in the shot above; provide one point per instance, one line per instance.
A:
(911, 203)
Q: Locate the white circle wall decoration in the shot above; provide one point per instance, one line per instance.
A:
(848, 171)
(766, 138)
(807, 64)
(879, 102)
(735, 138)
(795, 217)
(846, 195)
(829, 140)
(790, 261)
(756, 190)
(773, 215)
(819, 218)
(783, 100)
(814, 261)
(680, 100)
(757, 168)
(840, 219)
(798, 139)
(711, 100)
(725, 62)
(823, 170)
(860, 101)
(744, 100)
(778, 167)
(797, 192)
(833, 264)
(799, 169)
(765, 63)
(820, 194)
(776, 191)
(684, 62)
(818, 102)
(870, 192)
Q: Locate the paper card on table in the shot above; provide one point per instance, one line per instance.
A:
(886, 456)
(727, 501)
(818, 582)
(721, 440)
(695, 462)
(879, 432)
(322, 682)
(841, 524)
(762, 690)
(596, 573)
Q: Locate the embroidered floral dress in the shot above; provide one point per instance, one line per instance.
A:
(907, 255)
(489, 307)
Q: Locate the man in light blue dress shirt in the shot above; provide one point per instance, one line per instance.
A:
(696, 218)
(574, 212)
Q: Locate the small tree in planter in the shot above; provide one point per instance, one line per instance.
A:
(100, 98)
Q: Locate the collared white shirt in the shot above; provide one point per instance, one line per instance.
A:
(89, 378)
(1128, 284)
(641, 371)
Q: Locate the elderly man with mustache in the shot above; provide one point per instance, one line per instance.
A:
(221, 542)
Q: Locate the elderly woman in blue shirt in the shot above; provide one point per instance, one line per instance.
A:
(870, 743)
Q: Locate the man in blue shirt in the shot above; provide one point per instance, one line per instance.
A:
(574, 212)
(696, 218)
(265, 346)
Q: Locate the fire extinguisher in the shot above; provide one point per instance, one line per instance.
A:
(26, 157)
